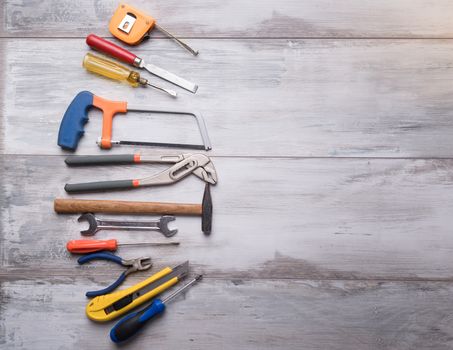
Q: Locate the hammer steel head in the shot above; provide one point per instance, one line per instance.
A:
(206, 212)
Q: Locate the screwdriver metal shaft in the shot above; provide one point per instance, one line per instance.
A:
(166, 75)
(151, 244)
(182, 289)
(168, 91)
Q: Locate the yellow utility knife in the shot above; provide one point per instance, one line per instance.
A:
(110, 306)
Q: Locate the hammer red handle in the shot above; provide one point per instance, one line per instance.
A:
(110, 48)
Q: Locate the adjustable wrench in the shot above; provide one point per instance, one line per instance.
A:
(96, 225)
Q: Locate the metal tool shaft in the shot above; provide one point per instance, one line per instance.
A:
(179, 41)
(128, 225)
(198, 117)
(159, 144)
(151, 244)
(170, 77)
(182, 289)
(168, 91)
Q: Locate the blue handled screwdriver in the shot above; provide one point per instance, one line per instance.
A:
(132, 323)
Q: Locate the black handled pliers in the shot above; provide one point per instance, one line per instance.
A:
(133, 265)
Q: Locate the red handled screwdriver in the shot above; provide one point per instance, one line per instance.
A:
(82, 246)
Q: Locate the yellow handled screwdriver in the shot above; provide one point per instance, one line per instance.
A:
(113, 70)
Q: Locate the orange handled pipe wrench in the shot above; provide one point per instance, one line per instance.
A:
(76, 116)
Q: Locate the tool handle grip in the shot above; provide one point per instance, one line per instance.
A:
(103, 160)
(83, 246)
(110, 69)
(74, 119)
(111, 288)
(132, 323)
(100, 186)
(110, 48)
(100, 256)
(73, 206)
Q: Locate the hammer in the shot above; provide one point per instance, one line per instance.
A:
(73, 206)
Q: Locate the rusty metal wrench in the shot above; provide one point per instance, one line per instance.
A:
(98, 224)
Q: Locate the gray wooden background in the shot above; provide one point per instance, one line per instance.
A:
(331, 124)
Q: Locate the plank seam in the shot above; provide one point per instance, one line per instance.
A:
(244, 38)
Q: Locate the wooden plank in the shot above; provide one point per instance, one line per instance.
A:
(240, 314)
(354, 98)
(273, 218)
(236, 18)
(2, 92)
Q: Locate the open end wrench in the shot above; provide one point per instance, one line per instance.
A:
(96, 225)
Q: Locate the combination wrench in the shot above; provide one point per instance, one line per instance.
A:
(96, 225)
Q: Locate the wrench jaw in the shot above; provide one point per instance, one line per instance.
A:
(163, 226)
(92, 222)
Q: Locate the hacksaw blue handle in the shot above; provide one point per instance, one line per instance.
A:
(74, 120)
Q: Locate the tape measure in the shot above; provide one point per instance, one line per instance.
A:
(131, 26)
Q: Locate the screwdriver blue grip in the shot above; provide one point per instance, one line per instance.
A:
(74, 120)
(132, 323)
(155, 308)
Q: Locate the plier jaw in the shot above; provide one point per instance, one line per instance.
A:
(207, 173)
(203, 167)
(133, 265)
(139, 264)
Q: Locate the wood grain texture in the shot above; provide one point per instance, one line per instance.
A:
(236, 18)
(263, 98)
(241, 314)
(331, 125)
(301, 218)
(71, 206)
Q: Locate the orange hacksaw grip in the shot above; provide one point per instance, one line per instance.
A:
(109, 109)
(76, 116)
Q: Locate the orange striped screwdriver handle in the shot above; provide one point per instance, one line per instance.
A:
(83, 246)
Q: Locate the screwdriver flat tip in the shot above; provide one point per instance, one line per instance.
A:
(168, 91)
